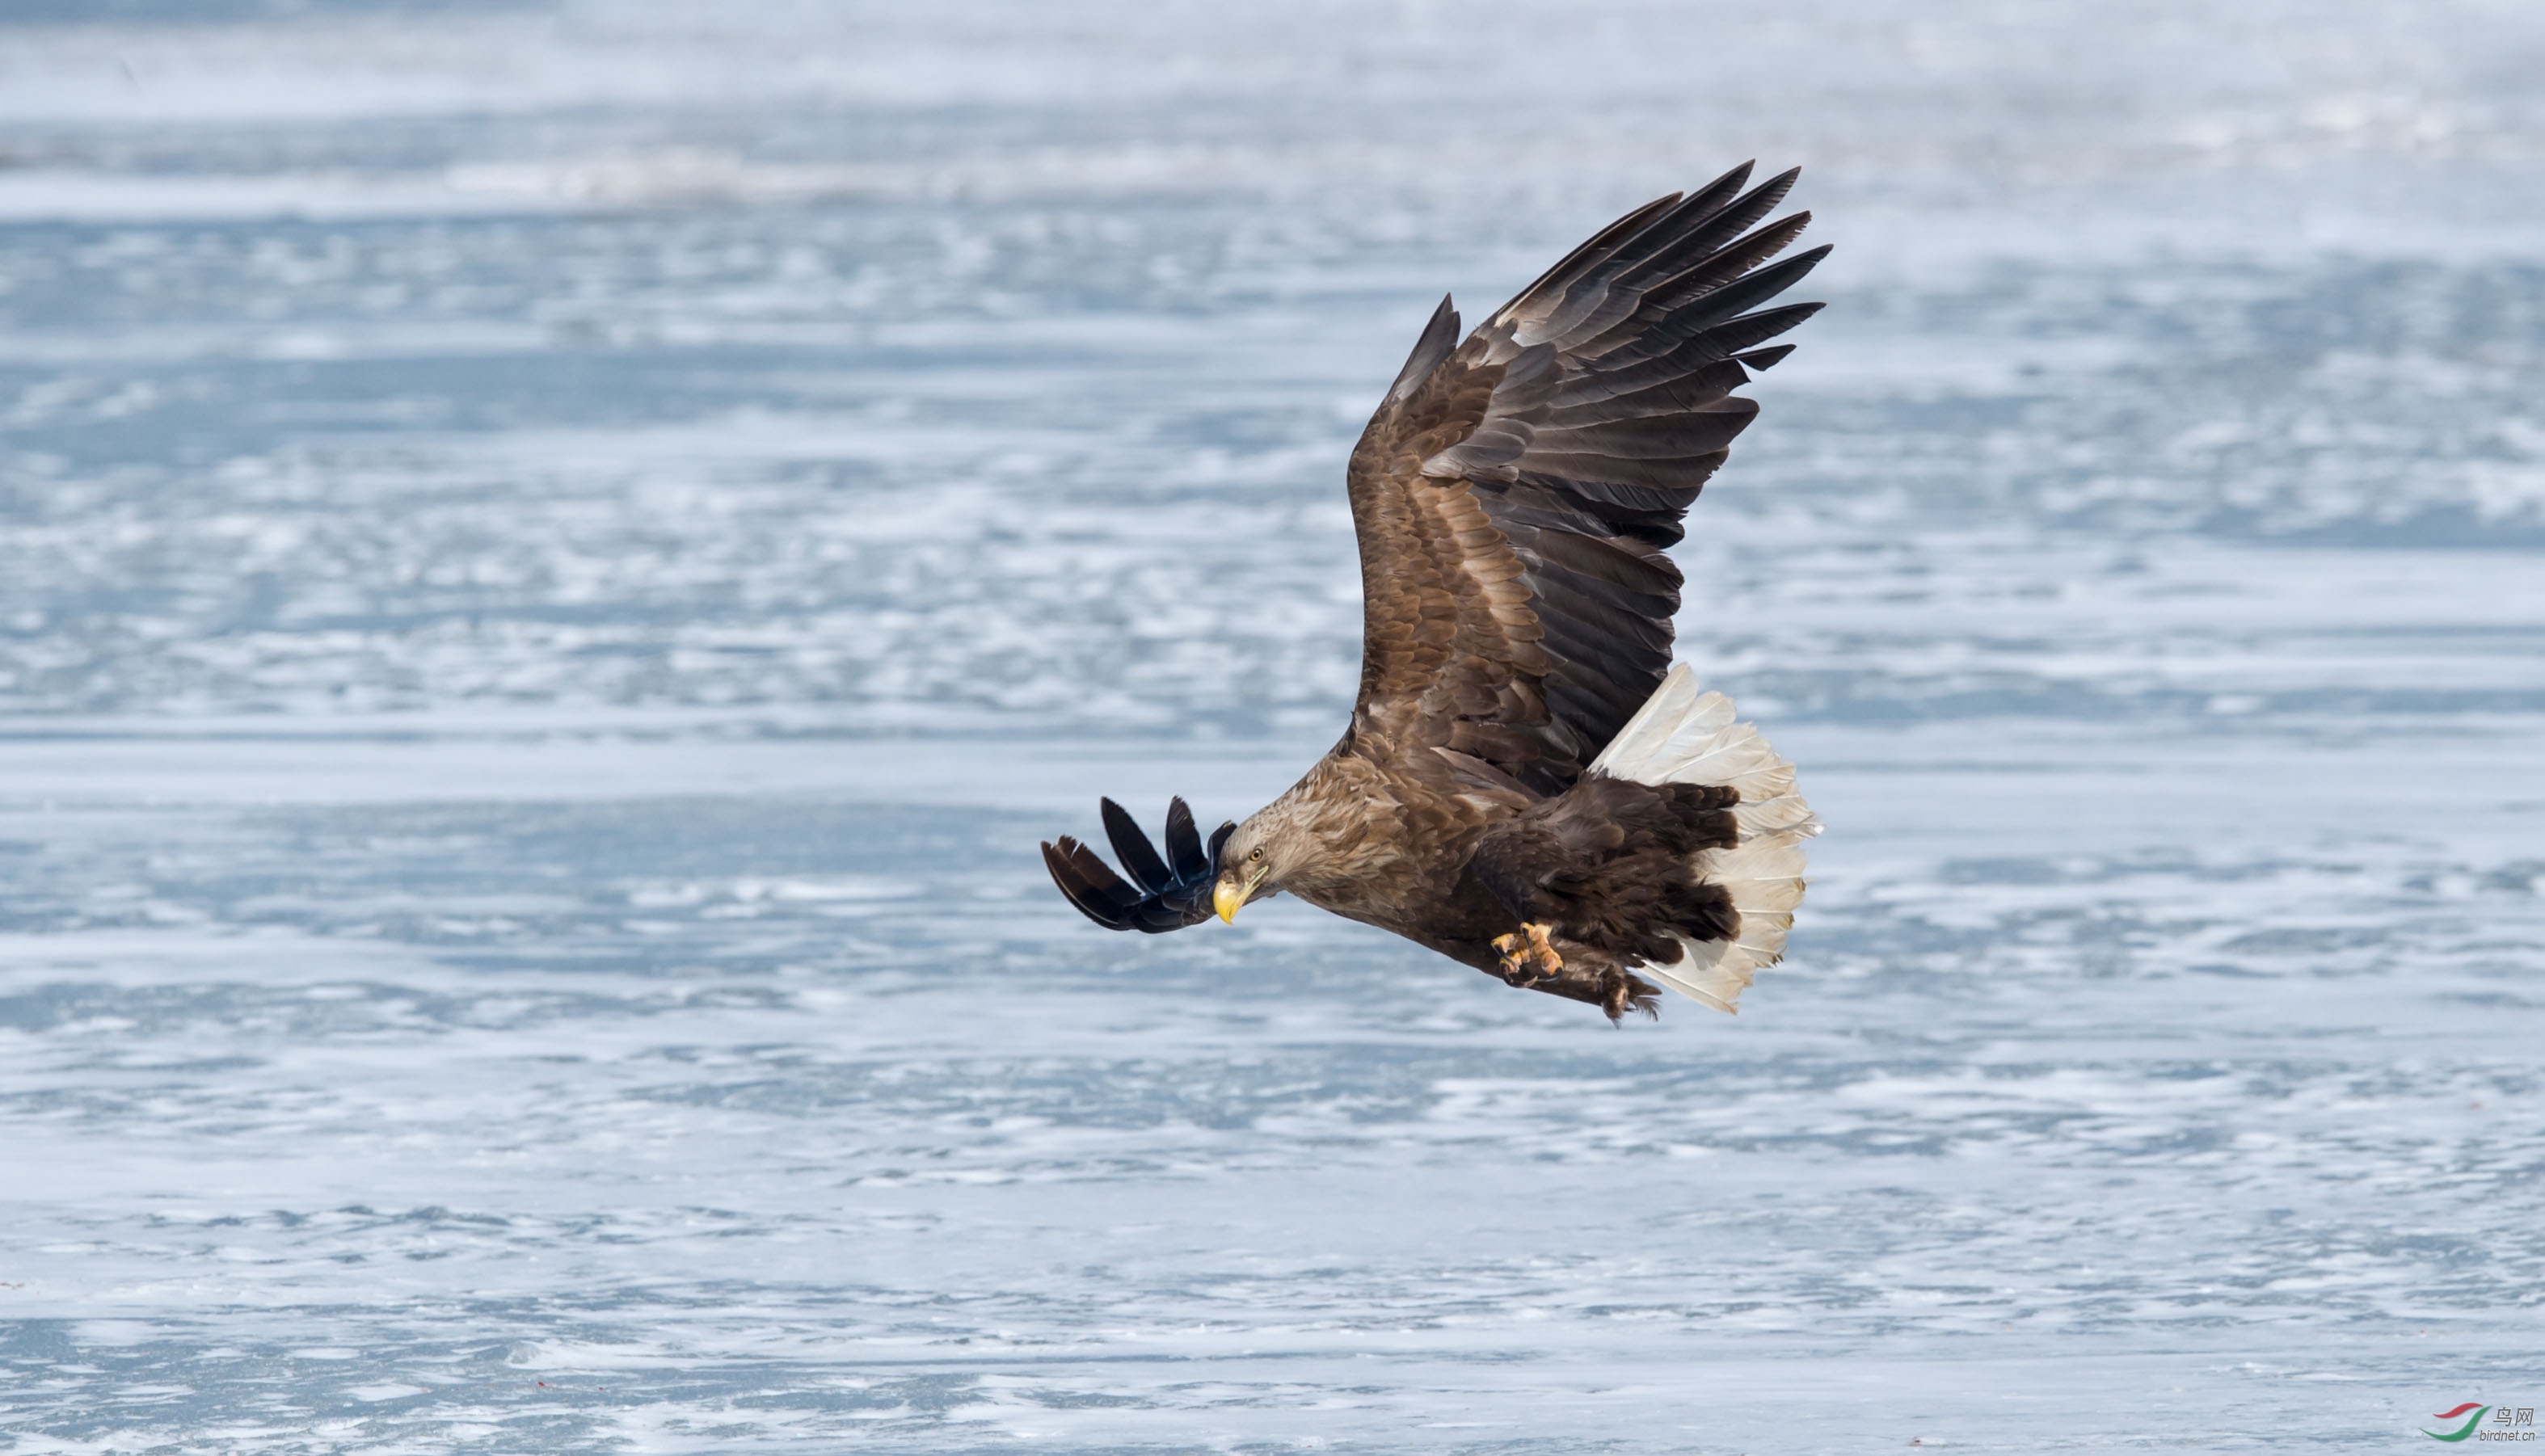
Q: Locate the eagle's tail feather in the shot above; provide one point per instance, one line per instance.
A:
(1683, 736)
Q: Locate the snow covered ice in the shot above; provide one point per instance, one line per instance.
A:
(556, 560)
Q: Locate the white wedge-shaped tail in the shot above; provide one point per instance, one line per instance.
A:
(1683, 736)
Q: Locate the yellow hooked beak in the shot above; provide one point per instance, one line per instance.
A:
(1227, 896)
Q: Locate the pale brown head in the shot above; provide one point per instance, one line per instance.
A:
(1270, 846)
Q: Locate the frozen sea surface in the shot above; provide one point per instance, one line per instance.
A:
(556, 560)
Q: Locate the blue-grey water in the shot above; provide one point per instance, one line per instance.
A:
(556, 559)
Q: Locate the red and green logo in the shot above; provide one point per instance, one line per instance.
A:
(2473, 1415)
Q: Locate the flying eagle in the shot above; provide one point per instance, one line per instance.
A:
(1528, 786)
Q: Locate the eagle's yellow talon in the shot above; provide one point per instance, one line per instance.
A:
(1534, 955)
(1546, 953)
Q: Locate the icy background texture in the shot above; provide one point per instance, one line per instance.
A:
(555, 560)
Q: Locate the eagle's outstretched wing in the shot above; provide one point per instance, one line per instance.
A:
(1173, 892)
(1515, 492)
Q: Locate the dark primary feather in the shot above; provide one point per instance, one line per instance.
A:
(1171, 892)
(1515, 495)
(1133, 848)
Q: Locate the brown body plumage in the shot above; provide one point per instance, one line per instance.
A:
(1515, 495)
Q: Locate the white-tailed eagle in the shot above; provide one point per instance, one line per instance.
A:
(1526, 785)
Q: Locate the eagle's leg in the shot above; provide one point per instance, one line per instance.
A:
(1537, 961)
(1530, 961)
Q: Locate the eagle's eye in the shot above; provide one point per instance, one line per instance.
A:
(1256, 853)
